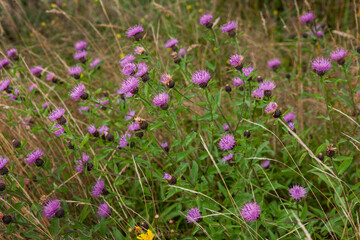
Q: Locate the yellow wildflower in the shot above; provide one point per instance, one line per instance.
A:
(53, 5)
(188, 7)
(146, 236)
(118, 35)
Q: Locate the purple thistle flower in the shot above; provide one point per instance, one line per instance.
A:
(94, 63)
(258, 93)
(51, 207)
(227, 157)
(265, 164)
(236, 60)
(317, 30)
(12, 53)
(271, 107)
(83, 109)
(98, 188)
(267, 86)
(321, 65)
(4, 63)
(130, 85)
(75, 71)
(161, 100)
(291, 125)
(103, 102)
(297, 192)
(80, 45)
(165, 78)
(230, 26)
(82, 162)
(142, 69)
(56, 114)
(237, 81)
(289, 117)
(193, 215)
(307, 17)
(80, 55)
(227, 142)
(123, 142)
(251, 211)
(129, 69)
(201, 78)
(135, 31)
(226, 127)
(171, 43)
(167, 176)
(130, 115)
(58, 130)
(127, 59)
(78, 92)
(182, 52)
(247, 71)
(206, 19)
(338, 55)
(32, 87)
(50, 76)
(104, 210)
(134, 127)
(3, 162)
(164, 145)
(36, 71)
(4, 84)
(15, 95)
(139, 50)
(103, 129)
(274, 64)
(33, 156)
(91, 129)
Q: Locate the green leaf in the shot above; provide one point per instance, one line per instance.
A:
(195, 170)
(85, 140)
(344, 165)
(209, 65)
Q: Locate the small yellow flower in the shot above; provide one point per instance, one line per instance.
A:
(52, 22)
(197, 4)
(81, 75)
(169, 49)
(200, 10)
(43, 24)
(167, 15)
(249, 25)
(146, 236)
(63, 5)
(275, 12)
(122, 55)
(53, 5)
(214, 48)
(188, 7)
(118, 35)
(96, 0)
(142, 20)
(227, 61)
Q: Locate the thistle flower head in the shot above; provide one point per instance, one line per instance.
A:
(139, 50)
(4, 63)
(33, 156)
(228, 26)
(77, 91)
(237, 81)
(80, 45)
(134, 126)
(94, 63)
(297, 192)
(291, 125)
(127, 59)
(182, 52)
(83, 109)
(129, 69)
(129, 85)
(80, 55)
(36, 70)
(250, 212)
(165, 78)
(247, 71)
(56, 114)
(265, 164)
(164, 144)
(274, 63)
(226, 127)
(103, 129)
(167, 176)
(142, 68)
(338, 54)
(130, 115)
(206, 19)
(271, 107)
(75, 70)
(91, 129)
(124, 140)
(50, 76)
(236, 60)
(3, 162)
(317, 30)
(227, 142)
(58, 130)
(289, 117)
(98, 188)
(4, 84)
(32, 87)
(104, 210)
(193, 215)
(307, 17)
(258, 93)
(51, 207)
(227, 157)
(82, 162)
(11, 52)
(161, 99)
(132, 31)
(172, 42)
(321, 65)
(201, 77)
(267, 86)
